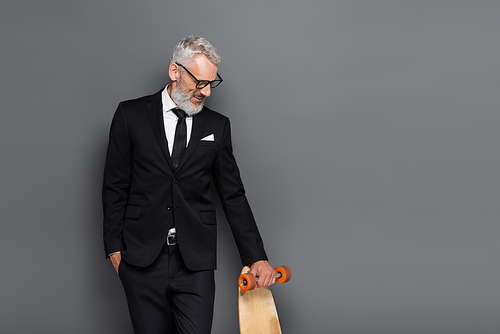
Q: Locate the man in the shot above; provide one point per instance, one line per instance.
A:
(164, 151)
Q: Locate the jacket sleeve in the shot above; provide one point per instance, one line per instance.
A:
(116, 181)
(232, 194)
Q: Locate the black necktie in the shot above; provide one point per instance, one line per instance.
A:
(180, 137)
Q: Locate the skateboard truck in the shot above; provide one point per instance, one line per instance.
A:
(248, 281)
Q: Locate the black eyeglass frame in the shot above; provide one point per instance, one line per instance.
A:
(200, 84)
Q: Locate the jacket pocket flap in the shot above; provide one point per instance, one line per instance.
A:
(208, 217)
(133, 212)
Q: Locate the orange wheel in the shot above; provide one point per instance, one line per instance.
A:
(285, 274)
(247, 282)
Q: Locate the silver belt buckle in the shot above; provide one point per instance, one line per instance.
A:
(172, 237)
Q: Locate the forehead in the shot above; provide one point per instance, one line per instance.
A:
(203, 68)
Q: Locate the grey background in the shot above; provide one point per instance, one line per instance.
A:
(366, 133)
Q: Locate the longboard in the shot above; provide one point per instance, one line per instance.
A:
(256, 308)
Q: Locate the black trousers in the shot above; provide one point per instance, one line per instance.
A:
(167, 297)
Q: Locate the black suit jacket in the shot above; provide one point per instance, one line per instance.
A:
(144, 196)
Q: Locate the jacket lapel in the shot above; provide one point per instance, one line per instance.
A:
(199, 123)
(155, 113)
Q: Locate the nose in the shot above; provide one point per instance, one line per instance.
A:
(206, 91)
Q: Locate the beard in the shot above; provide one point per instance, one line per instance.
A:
(182, 100)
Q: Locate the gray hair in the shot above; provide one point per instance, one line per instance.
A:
(189, 47)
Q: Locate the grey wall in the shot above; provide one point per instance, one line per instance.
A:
(366, 133)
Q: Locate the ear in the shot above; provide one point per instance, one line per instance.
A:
(173, 72)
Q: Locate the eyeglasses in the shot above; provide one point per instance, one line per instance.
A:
(200, 84)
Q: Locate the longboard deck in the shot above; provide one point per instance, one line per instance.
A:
(257, 311)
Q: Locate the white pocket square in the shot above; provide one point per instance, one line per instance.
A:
(208, 138)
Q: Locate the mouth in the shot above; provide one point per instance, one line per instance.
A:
(198, 98)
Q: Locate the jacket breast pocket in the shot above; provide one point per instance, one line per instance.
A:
(208, 217)
(207, 144)
(133, 212)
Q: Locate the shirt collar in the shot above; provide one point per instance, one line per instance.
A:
(166, 101)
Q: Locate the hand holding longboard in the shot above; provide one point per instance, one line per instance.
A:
(248, 281)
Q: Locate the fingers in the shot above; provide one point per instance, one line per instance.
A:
(265, 273)
(266, 279)
(115, 260)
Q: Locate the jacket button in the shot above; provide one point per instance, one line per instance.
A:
(175, 180)
(169, 207)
